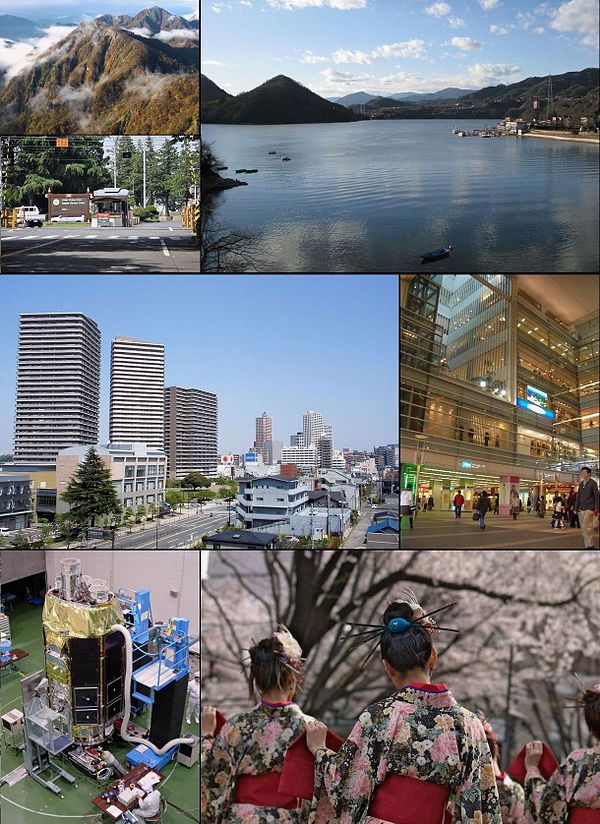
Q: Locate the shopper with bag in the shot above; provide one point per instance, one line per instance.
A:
(459, 502)
(587, 504)
(483, 506)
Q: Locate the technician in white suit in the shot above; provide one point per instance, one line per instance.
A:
(149, 805)
(193, 699)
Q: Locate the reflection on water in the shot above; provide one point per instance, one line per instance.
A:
(372, 196)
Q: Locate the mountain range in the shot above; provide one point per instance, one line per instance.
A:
(279, 100)
(103, 78)
(357, 98)
(17, 28)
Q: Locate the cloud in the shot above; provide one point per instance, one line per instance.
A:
(75, 96)
(406, 48)
(17, 57)
(498, 29)
(456, 22)
(579, 17)
(213, 63)
(147, 83)
(466, 43)
(217, 8)
(486, 5)
(141, 32)
(304, 4)
(333, 76)
(174, 34)
(539, 30)
(346, 56)
(438, 9)
(245, 3)
(309, 57)
(492, 74)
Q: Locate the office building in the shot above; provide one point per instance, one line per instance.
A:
(312, 428)
(138, 473)
(304, 457)
(297, 439)
(16, 501)
(325, 448)
(191, 430)
(387, 456)
(264, 431)
(137, 385)
(58, 385)
(271, 451)
(499, 386)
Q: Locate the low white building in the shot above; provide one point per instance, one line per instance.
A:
(264, 500)
(304, 457)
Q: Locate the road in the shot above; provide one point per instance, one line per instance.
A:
(356, 537)
(149, 248)
(175, 534)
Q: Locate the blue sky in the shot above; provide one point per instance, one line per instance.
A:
(340, 46)
(280, 343)
(74, 10)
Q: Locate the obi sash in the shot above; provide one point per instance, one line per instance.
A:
(402, 799)
(261, 790)
(580, 815)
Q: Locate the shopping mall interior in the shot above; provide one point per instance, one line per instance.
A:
(499, 392)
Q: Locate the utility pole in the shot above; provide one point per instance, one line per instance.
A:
(144, 166)
(115, 161)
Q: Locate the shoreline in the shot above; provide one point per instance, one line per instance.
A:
(570, 138)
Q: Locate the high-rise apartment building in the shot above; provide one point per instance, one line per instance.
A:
(58, 385)
(312, 428)
(137, 386)
(297, 439)
(264, 430)
(325, 446)
(190, 431)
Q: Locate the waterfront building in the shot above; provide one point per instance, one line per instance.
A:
(191, 431)
(499, 384)
(58, 385)
(137, 385)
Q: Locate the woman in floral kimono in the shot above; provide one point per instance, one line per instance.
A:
(241, 767)
(572, 793)
(410, 754)
(510, 793)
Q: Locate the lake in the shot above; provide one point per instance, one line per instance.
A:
(372, 196)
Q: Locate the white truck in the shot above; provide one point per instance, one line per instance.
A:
(30, 216)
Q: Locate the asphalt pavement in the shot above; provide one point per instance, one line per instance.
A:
(149, 248)
(165, 533)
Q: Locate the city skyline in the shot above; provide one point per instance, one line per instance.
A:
(250, 367)
(335, 47)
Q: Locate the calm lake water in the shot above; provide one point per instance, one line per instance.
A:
(372, 196)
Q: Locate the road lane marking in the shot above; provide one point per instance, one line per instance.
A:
(90, 237)
(29, 248)
(154, 237)
(164, 248)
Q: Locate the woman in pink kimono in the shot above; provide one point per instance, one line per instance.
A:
(572, 793)
(241, 767)
(416, 756)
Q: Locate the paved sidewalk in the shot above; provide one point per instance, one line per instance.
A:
(441, 530)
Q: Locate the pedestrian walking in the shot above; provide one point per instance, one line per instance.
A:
(542, 509)
(372, 777)
(406, 505)
(496, 504)
(430, 503)
(514, 502)
(528, 504)
(571, 792)
(572, 516)
(483, 505)
(588, 504)
(558, 508)
(459, 502)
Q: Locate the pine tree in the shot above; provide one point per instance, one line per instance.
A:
(90, 491)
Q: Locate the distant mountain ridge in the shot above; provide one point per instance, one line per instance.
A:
(154, 19)
(357, 98)
(17, 28)
(279, 100)
(209, 91)
(104, 79)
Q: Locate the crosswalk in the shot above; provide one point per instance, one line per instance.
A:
(130, 238)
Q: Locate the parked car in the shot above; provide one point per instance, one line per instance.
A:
(67, 219)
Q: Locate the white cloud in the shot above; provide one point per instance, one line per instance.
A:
(456, 22)
(498, 29)
(245, 3)
(174, 34)
(466, 43)
(347, 56)
(309, 57)
(579, 17)
(406, 48)
(486, 5)
(332, 4)
(213, 63)
(16, 57)
(334, 77)
(492, 74)
(539, 30)
(142, 32)
(217, 8)
(438, 9)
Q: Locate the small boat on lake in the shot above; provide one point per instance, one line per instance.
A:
(436, 254)
(251, 171)
(272, 152)
(240, 171)
(285, 157)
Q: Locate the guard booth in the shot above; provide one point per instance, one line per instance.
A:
(110, 207)
(69, 207)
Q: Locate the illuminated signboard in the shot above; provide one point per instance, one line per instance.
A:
(537, 397)
(470, 465)
(533, 407)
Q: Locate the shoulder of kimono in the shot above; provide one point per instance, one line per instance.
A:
(472, 723)
(582, 754)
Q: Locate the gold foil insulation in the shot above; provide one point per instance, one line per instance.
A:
(79, 620)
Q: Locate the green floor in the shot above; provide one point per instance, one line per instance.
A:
(27, 802)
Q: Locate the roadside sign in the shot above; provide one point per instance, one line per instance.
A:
(62, 142)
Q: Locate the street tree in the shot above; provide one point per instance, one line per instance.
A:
(194, 480)
(129, 519)
(90, 492)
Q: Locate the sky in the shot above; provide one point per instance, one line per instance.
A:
(335, 47)
(283, 344)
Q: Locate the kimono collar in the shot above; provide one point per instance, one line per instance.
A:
(429, 695)
(277, 705)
